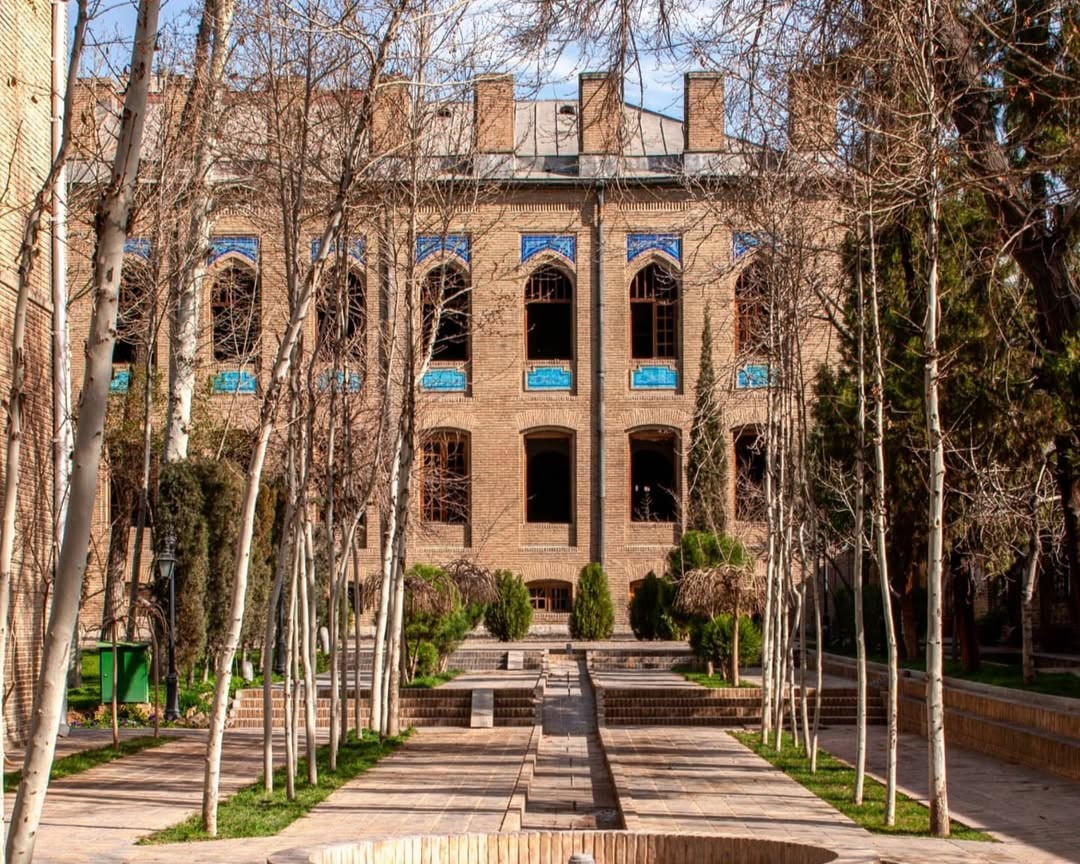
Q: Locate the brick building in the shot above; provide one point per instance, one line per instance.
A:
(25, 156)
(555, 413)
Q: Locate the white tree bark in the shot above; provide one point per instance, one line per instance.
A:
(881, 534)
(935, 703)
(202, 112)
(112, 216)
(857, 541)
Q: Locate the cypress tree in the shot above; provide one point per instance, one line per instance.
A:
(706, 463)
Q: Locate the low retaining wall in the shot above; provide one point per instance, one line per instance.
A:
(556, 847)
(519, 799)
(1033, 729)
(637, 658)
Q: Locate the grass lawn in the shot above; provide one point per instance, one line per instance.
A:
(715, 681)
(429, 682)
(252, 813)
(834, 781)
(76, 763)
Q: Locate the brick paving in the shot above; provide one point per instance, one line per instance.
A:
(684, 779)
(1035, 814)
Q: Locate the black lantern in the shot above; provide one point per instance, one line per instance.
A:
(166, 561)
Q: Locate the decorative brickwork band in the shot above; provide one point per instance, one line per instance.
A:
(137, 246)
(246, 247)
(668, 244)
(564, 245)
(356, 249)
(452, 244)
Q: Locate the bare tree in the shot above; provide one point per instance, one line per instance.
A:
(111, 223)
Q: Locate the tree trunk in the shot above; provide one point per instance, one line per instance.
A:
(881, 536)
(111, 220)
(1031, 573)
(935, 704)
(307, 652)
(857, 545)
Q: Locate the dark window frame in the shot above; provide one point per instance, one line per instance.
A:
(227, 347)
(353, 342)
(549, 285)
(571, 492)
(446, 495)
(655, 292)
(668, 498)
(453, 336)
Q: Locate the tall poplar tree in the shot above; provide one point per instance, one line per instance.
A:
(707, 459)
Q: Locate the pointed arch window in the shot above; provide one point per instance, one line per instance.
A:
(445, 486)
(133, 313)
(341, 314)
(752, 310)
(445, 311)
(235, 308)
(549, 315)
(654, 314)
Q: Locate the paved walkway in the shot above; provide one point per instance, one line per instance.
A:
(702, 779)
(99, 814)
(1036, 814)
(442, 781)
(570, 787)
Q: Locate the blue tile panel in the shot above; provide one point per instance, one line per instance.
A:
(444, 380)
(246, 247)
(561, 244)
(751, 376)
(452, 244)
(137, 246)
(120, 382)
(549, 378)
(743, 242)
(661, 377)
(234, 382)
(322, 382)
(356, 248)
(639, 244)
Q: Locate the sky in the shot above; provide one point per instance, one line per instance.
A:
(658, 87)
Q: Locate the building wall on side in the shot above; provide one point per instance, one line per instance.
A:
(25, 80)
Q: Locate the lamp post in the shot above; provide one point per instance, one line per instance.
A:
(167, 570)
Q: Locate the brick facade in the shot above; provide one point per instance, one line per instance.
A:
(25, 81)
(582, 229)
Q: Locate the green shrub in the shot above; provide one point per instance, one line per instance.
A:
(701, 549)
(651, 615)
(991, 626)
(426, 660)
(509, 617)
(446, 630)
(710, 640)
(593, 614)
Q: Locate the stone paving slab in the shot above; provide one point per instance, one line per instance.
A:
(1036, 814)
(99, 814)
(702, 780)
(443, 781)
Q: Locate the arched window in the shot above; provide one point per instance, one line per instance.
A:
(752, 310)
(750, 468)
(445, 486)
(445, 310)
(133, 313)
(342, 314)
(234, 305)
(654, 314)
(549, 315)
(654, 473)
(551, 596)
(549, 477)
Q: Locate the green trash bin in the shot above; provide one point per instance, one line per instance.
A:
(133, 660)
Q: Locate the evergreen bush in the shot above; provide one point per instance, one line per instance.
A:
(509, 616)
(180, 514)
(651, 614)
(710, 640)
(593, 615)
(701, 549)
